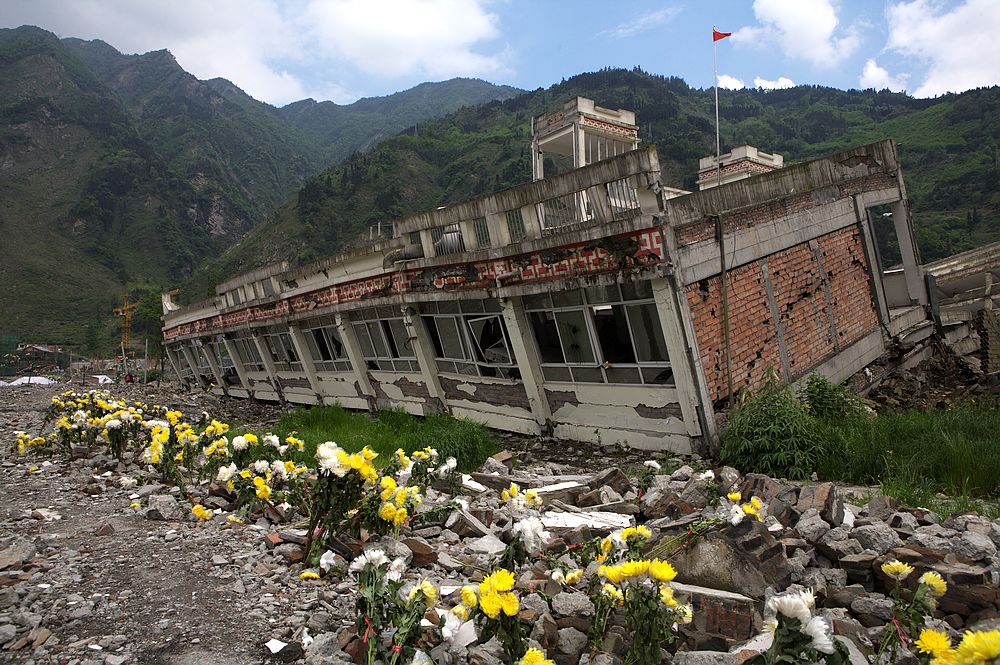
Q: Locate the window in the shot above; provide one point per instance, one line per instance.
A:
(385, 342)
(246, 349)
(182, 363)
(482, 230)
(447, 240)
(282, 351)
(470, 338)
(325, 345)
(515, 225)
(601, 334)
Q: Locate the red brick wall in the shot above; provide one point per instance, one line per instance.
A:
(810, 293)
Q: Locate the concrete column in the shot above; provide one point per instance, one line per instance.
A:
(213, 364)
(537, 161)
(526, 356)
(597, 197)
(469, 240)
(499, 233)
(685, 360)
(353, 348)
(532, 221)
(908, 250)
(427, 243)
(305, 357)
(174, 362)
(423, 349)
(268, 361)
(238, 364)
(191, 361)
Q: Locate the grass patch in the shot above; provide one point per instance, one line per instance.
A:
(469, 442)
(945, 460)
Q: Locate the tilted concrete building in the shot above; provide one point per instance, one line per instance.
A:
(588, 304)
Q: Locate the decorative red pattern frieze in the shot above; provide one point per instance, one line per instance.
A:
(630, 132)
(614, 253)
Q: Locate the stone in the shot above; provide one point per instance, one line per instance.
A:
(877, 537)
(326, 649)
(8, 598)
(695, 493)
(880, 507)
(290, 552)
(872, 611)
(465, 525)
(572, 642)
(612, 477)
(7, 633)
(105, 529)
(423, 553)
(19, 551)
(488, 544)
(546, 632)
(975, 546)
(812, 527)
(664, 503)
(163, 507)
(903, 521)
(824, 498)
(716, 561)
(568, 604)
(704, 658)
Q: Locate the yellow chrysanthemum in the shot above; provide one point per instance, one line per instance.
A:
(634, 568)
(614, 593)
(667, 596)
(534, 657)
(734, 496)
(469, 596)
(933, 642)
(461, 611)
(501, 580)
(935, 583)
(203, 514)
(897, 569)
(491, 604)
(981, 646)
(612, 574)
(308, 575)
(574, 576)
(387, 512)
(661, 571)
(400, 517)
(607, 545)
(509, 604)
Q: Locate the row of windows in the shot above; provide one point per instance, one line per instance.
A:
(606, 334)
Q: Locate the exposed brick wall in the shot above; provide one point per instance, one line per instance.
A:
(823, 302)
(499, 394)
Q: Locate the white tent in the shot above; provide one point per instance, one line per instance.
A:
(24, 380)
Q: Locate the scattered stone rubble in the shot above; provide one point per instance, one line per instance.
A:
(88, 577)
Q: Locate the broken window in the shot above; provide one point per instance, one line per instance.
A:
(601, 334)
(325, 346)
(471, 345)
(482, 230)
(282, 351)
(385, 342)
(246, 349)
(515, 225)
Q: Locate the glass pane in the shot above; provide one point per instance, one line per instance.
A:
(588, 375)
(401, 337)
(623, 375)
(602, 294)
(450, 338)
(647, 333)
(537, 301)
(567, 298)
(364, 340)
(333, 340)
(658, 375)
(544, 326)
(556, 374)
(488, 337)
(575, 337)
(612, 331)
(639, 290)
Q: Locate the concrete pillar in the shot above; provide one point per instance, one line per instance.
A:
(305, 357)
(597, 197)
(174, 362)
(915, 287)
(685, 361)
(469, 240)
(423, 349)
(427, 243)
(213, 364)
(238, 364)
(268, 361)
(526, 356)
(537, 161)
(532, 221)
(353, 348)
(499, 233)
(191, 361)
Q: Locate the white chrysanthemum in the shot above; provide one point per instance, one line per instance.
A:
(271, 440)
(452, 624)
(329, 462)
(327, 561)
(819, 630)
(790, 605)
(706, 475)
(532, 533)
(150, 424)
(396, 570)
(558, 576)
(652, 464)
(226, 473)
(126, 416)
(735, 514)
(278, 469)
(79, 417)
(114, 423)
(375, 557)
(809, 598)
(240, 443)
(127, 482)
(261, 466)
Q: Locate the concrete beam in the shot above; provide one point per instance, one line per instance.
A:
(527, 358)
(238, 364)
(269, 367)
(358, 365)
(213, 364)
(420, 342)
(305, 357)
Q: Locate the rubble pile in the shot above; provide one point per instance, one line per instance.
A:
(120, 589)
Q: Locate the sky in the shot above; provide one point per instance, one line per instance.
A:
(280, 51)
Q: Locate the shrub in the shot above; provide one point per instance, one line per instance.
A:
(773, 433)
(826, 399)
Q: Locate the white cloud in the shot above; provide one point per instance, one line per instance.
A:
(879, 78)
(780, 83)
(804, 29)
(264, 45)
(961, 46)
(641, 23)
(730, 82)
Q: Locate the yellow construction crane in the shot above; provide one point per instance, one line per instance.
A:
(125, 311)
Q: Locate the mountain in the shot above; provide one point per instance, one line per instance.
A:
(125, 171)
(948, 145)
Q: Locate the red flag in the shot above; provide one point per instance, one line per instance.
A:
(716, 35)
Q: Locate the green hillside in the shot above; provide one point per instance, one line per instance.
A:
(948, 149)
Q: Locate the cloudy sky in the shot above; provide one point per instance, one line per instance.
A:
(283, 50)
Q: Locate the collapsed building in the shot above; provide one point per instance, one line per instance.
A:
(597, 304)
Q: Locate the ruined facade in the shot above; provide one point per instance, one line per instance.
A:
(588, 304)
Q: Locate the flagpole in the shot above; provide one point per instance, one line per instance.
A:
(723, 273)
(715, 80)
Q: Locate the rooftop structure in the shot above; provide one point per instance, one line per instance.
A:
(597, 304)
(737, 164)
